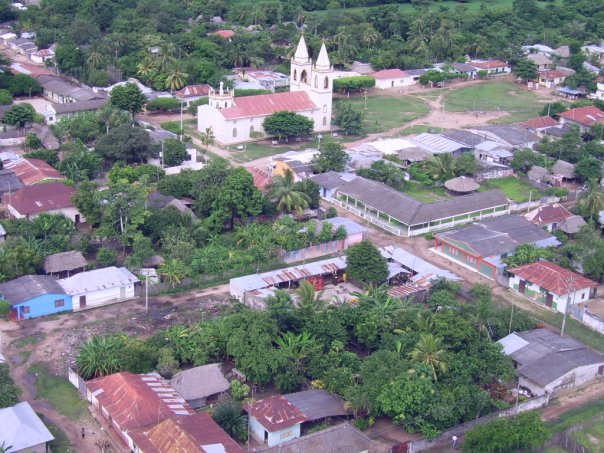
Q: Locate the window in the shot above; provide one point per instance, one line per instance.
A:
(324, 121)
(251, 129)
(471, 260)
(25, 309)
(324, 108)
(316, 81)
(285, 435)
(59, 303)
(582, 296)
(326, 82)
(295, 75)
(303, 77)
(234, 132)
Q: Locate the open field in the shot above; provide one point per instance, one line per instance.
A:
(577, 415)
(384, 113)
(513, 188)
(495, 97)
(425, 194)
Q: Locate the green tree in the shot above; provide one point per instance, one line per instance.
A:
(106, 257)
(23, 84)
(175, 152)
(366, 264)
(19, 115)
(238, 197)
(309, 301)
(9, 391)
(593, 201)
(331, 157)
(6, 97)
(527, 253)
(126, 144)
(429, 350)
(588, 168)
(230, 418)
(207, 138)
(284, 193)
(465, 165)
(70, 59)
(525, 159)
(86, 200)
(99, 356)
(32, 141)
(287, 124)
(176, 79)
(79, 164)
(348, 119)
(441, 167)
(173, 271)
(526, 69)
(384, 172)
(128, 97)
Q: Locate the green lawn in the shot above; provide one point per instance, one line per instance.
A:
(61, 443)
(384, 113)
(513, 188)
(425, 194)
(591, 438)
(31, 339)
(493, 97)
(58, 392)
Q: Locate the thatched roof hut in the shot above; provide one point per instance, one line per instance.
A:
(462, 184)
(64, 262)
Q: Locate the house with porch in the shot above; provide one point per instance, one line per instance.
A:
(482, 246)
(403, 215)
(32, 296)
(554, 286)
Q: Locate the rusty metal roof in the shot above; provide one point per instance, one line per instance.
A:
(275, 413)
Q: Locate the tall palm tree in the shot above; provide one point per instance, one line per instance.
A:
(481, 316)
(95, 59)
(593, 201)
(297, 346)
(176, 79)
(441, 166)
(309, 301)
(288, 199)
(146, 67)
(429, 350)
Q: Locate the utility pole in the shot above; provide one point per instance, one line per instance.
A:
(568, 302)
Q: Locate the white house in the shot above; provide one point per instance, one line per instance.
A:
(237, 120)
(100, 287)
(552, 285)
(274, 420)
(547, 363)
(22, 430)
(391, 78)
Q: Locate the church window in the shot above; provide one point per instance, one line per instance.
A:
(295, 75)
(234, 132)
(324, 108)
(324, 121)
(316, 81)
(326, 82)
(225, 104)
(303, 77)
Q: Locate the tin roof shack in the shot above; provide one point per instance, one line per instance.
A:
(252, 289)
(199, 384)
(548, 363)
(274, 420)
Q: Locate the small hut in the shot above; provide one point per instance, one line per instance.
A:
(562, 172)
(64, 264)
(540, 174)
(413, 154)
(461, 185)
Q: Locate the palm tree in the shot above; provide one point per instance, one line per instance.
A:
(99, 356)
(593, 201)
(146, 67)
(173, 271)
(95, 59)
(297, 346)
(429, 350)
(481, 316)
(309, 301)
(230, 418)
(176, 79)
(287, 197)
(441, 166)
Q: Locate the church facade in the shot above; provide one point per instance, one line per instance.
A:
(236, 120)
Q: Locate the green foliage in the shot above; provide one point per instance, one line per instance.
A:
(126, 144)
(175, 152)
(5, 97)
(135, 173)
(526, 431)
(79, 164)
(348, 119)
(128, 97)
(285, 195)
(32, 141)
(366, 264)
(19, 115)
(106, 257)
(553, 109)
(525, 159)
(99, 356)
(228, 414)
(167, 364)
(356, 83)
(238, 390)
(526, 69)
(238, 197)
(23, 84)
(9, 392)
(331, 213)
(287, 124)
(384, 172)
(331, 157)
(588, 168)
(163, 105)
(4, 308)
(528, 253)
(47, 155)
(192, 108)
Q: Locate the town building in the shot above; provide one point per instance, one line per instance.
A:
(192, 93)
(9, 183)
(551, 78)
(32, 171)
(542, 61)
(548, 216)
(483, 245)
(391, 78)
(493, 67)
(236, 120)
(200, 384)
(274, 420)
(52, 198)
(584, 117)
(330, 181)
(552, 285)
(64, 264)
(55, 112)
(57, 90)
(269, 80)
(547, 363)
(32, 296)
(22, 430)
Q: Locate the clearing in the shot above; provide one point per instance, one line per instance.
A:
(513, 188)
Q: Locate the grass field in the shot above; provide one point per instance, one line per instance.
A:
(494, 97)
(577, 415)
(58, 392)
(424, 194)
(384, 113)
(420, 128)
(513, 188)
(592, 438)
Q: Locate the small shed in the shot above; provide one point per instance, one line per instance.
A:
(317, 404)
(200, 384)
(64, 264)
(274, 420)
(461, 185)
(413, 154)
(540, 174)
(563, 171)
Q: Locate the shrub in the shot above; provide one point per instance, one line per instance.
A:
(239, 390)
(106, 257)
(166, 363)
(331, 213)
(47, 155)
(5, 97)
(192, 108)
(162, 104)
(346, 84)
(4, 307)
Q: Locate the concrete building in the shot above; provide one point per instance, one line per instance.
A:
(391, 78)
(52, 198)
(32, 296)
(548, 363)
(274, 420)
(22, 430)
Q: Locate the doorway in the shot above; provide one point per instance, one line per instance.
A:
(82, 301)
(549, 299)
(522, 286)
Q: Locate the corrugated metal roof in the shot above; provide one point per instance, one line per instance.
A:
(316, 404)
(586, 116)
(553, 278)
(29, 287)
(436, 143)
(266, 104)
(548, 214)
(275, 413)
(415, 264)
(22, 429)
(97, 280)
(389, 74)
(32, 171)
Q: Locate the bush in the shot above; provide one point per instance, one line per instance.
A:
(175, 152)
(238, 390)
(163, 104)
(32, 141)
(47, 155)
(4, 307)
(5, 97)
(167, 364)
(192, 108)
(331, 213)
(172, 126)
(429, 236)
(106, 257)
(346, 84)
(8, 390)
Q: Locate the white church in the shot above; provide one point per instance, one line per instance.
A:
(234, 120)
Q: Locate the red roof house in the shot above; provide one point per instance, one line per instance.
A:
(185, 434)
(226, 34)
(267, 104)
(584, 117)
(541, 122)
(53, 198)
(548, 216)
(275, 420)
(389, 74)
(32, 171)
(193, 92)
(391, 78)
(489, 64)
(552, 285)
(133, 401)
(261, 178)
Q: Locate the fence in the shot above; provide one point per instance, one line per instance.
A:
(528, 205)
(77, 381)
(423, 444)
(567, 440)
(587, 318)
(315, 251)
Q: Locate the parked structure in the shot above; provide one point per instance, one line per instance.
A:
(32, 296)
(200, 384)
(22, 430)
(100, 287)
(548, 363)
(556, 287)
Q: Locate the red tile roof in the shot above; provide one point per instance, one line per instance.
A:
(540, 122)
(184, 434)
(275, 413)
(586, 116)
(42, 198)
(224, 33)
(491, 64)
(137, 400)
(548, 214)
(266, 104)
(389, 74)
(32, 171)
(261, 178)
(552, 277)
(193, 91)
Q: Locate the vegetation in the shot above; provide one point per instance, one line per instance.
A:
(366, 264)
(331, 157)
(9, 392)
(287, 124)
(163, 105)
(357, 83)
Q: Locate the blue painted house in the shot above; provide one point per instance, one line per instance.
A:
(32, 296)
(329, 182)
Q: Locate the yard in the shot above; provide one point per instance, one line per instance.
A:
(513, 188)
(425, 194)
(495, 97)
(384, 113)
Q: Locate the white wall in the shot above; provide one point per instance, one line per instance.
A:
(70, 213)
(575, 378)
(560, 301)
(276, 437)
(103, 297)
(397, 82)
